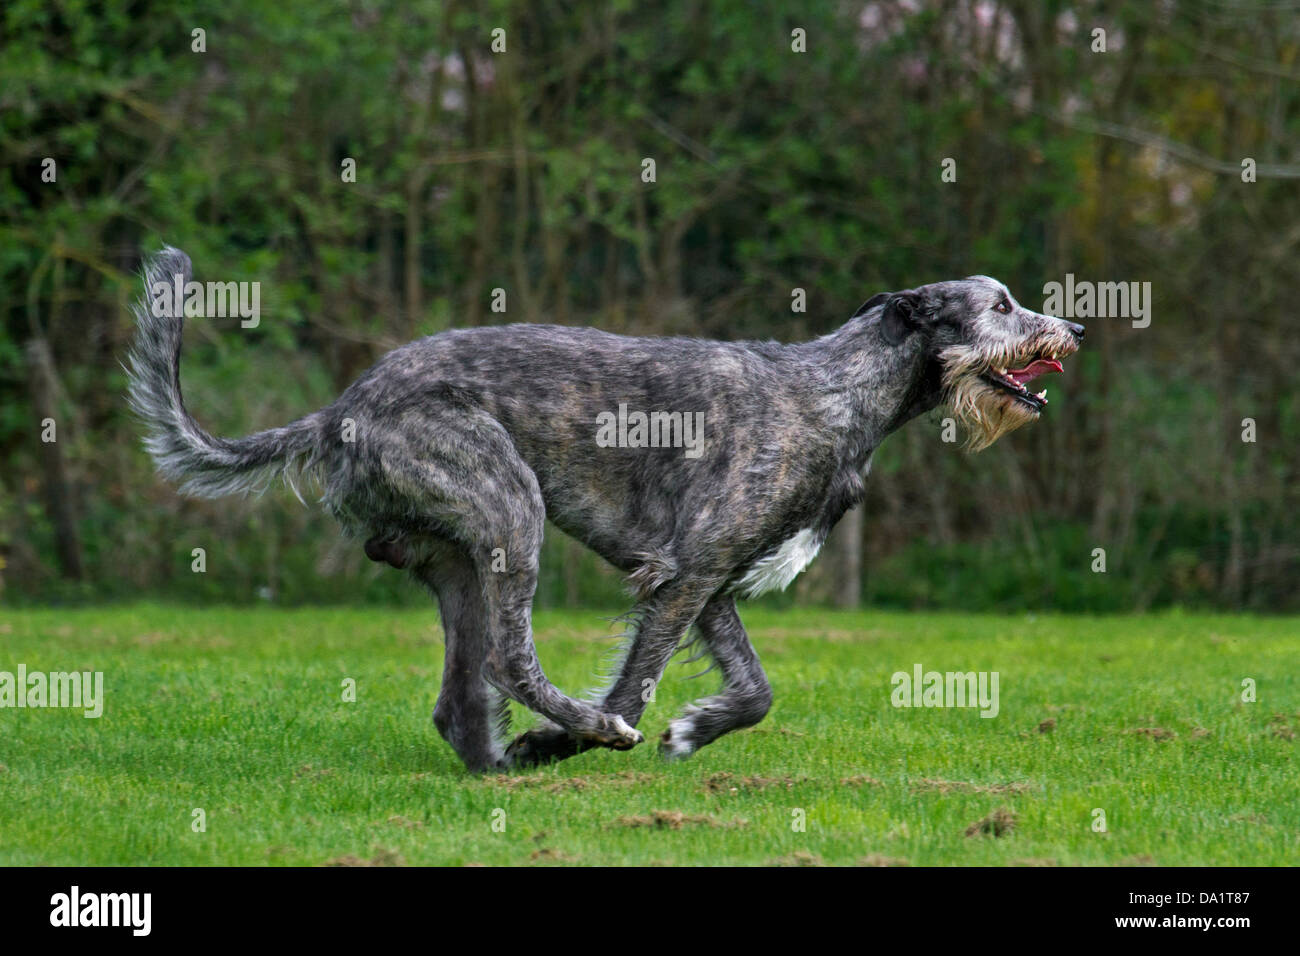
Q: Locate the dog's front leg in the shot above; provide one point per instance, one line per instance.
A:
(745, 697)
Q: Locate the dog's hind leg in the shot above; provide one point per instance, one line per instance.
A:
(470, 714)
(455, 467)
(512, 664)
(745, 697)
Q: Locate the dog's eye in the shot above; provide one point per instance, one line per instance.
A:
(1004, 307)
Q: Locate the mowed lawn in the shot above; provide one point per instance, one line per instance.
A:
(240, 713)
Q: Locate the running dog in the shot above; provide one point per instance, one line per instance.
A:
(704, 470)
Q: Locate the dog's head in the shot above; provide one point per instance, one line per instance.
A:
(983, 346)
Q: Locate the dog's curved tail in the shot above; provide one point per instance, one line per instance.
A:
(204, 466)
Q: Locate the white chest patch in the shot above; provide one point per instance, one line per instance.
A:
(778, 569)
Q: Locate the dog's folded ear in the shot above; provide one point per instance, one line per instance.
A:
(870, 304)
(903, 314)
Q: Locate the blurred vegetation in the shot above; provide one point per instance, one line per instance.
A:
(776, 170)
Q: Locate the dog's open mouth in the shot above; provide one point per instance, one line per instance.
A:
(1014, 380)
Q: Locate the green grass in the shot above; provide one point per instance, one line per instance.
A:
(240, 712)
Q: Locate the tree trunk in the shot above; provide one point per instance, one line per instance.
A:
(58, 488)
(846, 541)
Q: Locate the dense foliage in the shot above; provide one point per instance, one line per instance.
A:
(776, 170)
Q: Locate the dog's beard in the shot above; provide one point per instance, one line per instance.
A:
(985, 413)
(986, 410)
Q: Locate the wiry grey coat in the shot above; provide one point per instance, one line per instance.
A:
(448, 454)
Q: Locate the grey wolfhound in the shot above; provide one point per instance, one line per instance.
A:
(704, 470)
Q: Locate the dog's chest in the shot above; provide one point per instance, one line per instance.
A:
(775, 571)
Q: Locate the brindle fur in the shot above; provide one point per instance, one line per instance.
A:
(463, 443)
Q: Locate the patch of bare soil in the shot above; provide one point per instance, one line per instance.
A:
(382, 857)
(963, 786)
(798, 858)
(548, 854)
(998, 823)
(549, 784)
(783, 731)
(1280, 726)
(860, 780)
(676, 820)
(1155, 733)
(406, 823)
(307, 771)
(725, 782)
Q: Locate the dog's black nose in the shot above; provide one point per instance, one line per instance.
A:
(1077, 330)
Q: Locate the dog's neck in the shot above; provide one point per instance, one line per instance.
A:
(878, 386)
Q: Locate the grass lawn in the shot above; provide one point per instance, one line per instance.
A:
(239, 712)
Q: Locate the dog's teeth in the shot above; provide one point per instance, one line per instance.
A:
(1043, 394)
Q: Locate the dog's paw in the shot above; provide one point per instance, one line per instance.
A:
(547, 743)
(676, 742)
(618, 734)
(541, 745)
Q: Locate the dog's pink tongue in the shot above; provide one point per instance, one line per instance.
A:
(1034, 369)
